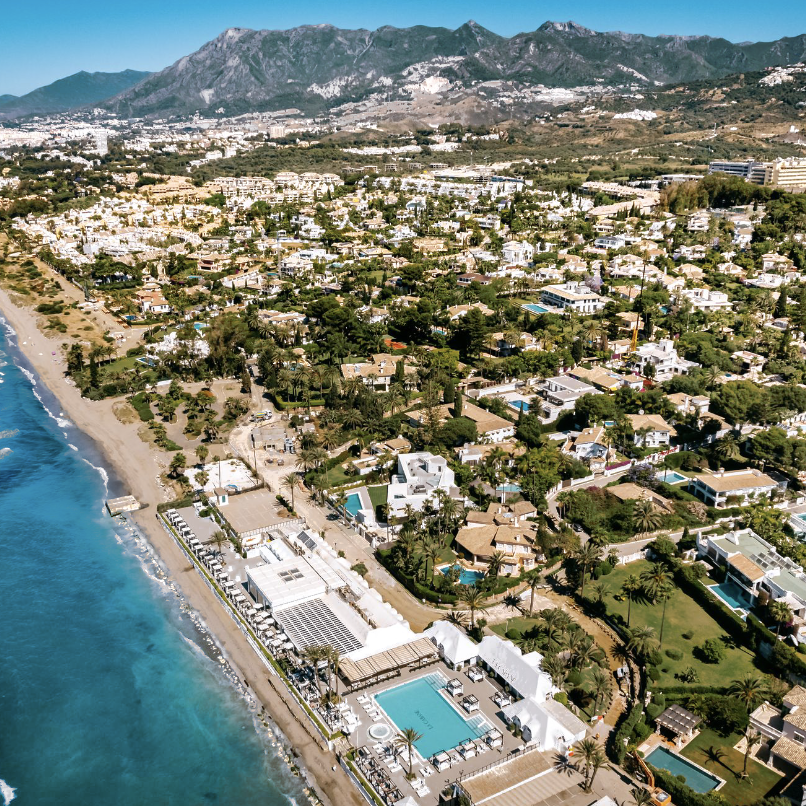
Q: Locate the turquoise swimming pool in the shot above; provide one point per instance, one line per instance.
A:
(535, 308)
(353, 504)
(419, 705)
(698, 779)
(671, 477)
(466, 576)
(521, 405)
(730, 593)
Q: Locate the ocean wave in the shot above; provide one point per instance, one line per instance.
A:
(101, 471)
(62, 422)
(7, 792)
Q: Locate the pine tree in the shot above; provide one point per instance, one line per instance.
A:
(457, 406)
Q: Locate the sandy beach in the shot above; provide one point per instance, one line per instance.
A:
(138, 466)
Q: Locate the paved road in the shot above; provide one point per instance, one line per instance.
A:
(339, 536)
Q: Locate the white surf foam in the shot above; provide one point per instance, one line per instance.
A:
(8, 792)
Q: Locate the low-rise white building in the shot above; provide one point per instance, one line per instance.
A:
(418, 477)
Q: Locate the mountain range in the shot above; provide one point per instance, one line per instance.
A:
(317, 67)
(79, 90)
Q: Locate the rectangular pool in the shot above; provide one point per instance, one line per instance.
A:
(698, 779)
(353, 504)
(419, 705)
(671, 477)
(534, 308)
(732, 595)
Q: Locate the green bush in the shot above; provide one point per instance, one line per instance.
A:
(674, 654)
(142, 407)
(653, 674)
(616, 745)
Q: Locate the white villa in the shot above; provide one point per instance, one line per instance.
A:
(419, 476)
(664, 358)
(575, 297)
(743, 485)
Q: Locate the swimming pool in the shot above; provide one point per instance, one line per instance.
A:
(199, 325)
(732, 595)
(466, 576)
(353, 504)
(534, 308)
(697, 778)
(419, 705)
(508, 488)
(520, 405)
(671, 477)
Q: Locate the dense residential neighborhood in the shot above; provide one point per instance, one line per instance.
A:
(561, 427)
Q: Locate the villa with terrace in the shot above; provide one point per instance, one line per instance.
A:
(561, 393)
(663, 358)
(785, 729)
(756, 572)
(740, 486)
(503, 528)
(418, 477)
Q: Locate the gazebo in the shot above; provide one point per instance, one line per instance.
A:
(679, 722)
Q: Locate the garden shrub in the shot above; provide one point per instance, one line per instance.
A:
(674, 654)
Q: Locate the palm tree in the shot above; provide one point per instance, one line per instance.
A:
(657, 583)
(496, 561)
(588, 556)
(598, 761)
(642, 643)
(645, 516)
(781, 613)
(640, 796)
(751, 739)
(313, 655)
(587, 749)
(334, 658)
(473, 598)
(600, 685)
(750, 690)
(219, 539)
(431, 551)
(405, 740)
(727, 447)
(629, 587)
(554, 666)
(289, 482)
(713, 374)
(533, 579)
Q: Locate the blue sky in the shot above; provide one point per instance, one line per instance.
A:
(42, 42)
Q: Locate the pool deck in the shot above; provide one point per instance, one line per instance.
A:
(484, 690)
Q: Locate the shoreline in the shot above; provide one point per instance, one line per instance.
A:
(137, 468)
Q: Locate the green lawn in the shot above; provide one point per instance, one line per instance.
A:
(735, 791)
(683, 615)
(377, 495)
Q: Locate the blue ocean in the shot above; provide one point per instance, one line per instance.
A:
(109, 692)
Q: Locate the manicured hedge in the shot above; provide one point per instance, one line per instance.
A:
(142, 407)
(617, 747)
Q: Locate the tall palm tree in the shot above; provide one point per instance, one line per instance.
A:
(727, 448)
(750, 690)
(657, 583)
(598, 760)
(473, 599)
(533, 580)
(587, 748)
(313, 655)
(219, 540)
(405, 740)
(751, 739)
(600, 685)
(629, 588)
(588, 556)
(289, 482)
(642, 643)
